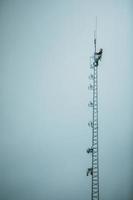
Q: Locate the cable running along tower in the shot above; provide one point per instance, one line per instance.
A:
(93, 171)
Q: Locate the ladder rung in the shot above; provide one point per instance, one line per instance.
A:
(95, 192)
(95, 152)
(95, 172)
(95, 176)
(95, 167)
(95, 189)
(94, 184)
(95, 197)
(94, 139)
(95, 159)
(96, 180)
(95, 156)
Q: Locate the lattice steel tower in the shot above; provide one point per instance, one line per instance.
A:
(93, 171)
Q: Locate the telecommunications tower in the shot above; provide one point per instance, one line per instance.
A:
(93, 170)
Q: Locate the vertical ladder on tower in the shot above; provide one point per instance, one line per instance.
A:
(95, 167)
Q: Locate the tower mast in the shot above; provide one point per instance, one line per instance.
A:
(93, 150)
(95, 37)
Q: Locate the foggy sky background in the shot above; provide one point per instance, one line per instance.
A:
(44, 58)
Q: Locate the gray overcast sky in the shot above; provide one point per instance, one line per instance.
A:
(44, 58)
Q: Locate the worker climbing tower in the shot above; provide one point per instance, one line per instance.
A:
(93, 170)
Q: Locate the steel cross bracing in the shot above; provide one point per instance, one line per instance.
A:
(94, 169)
